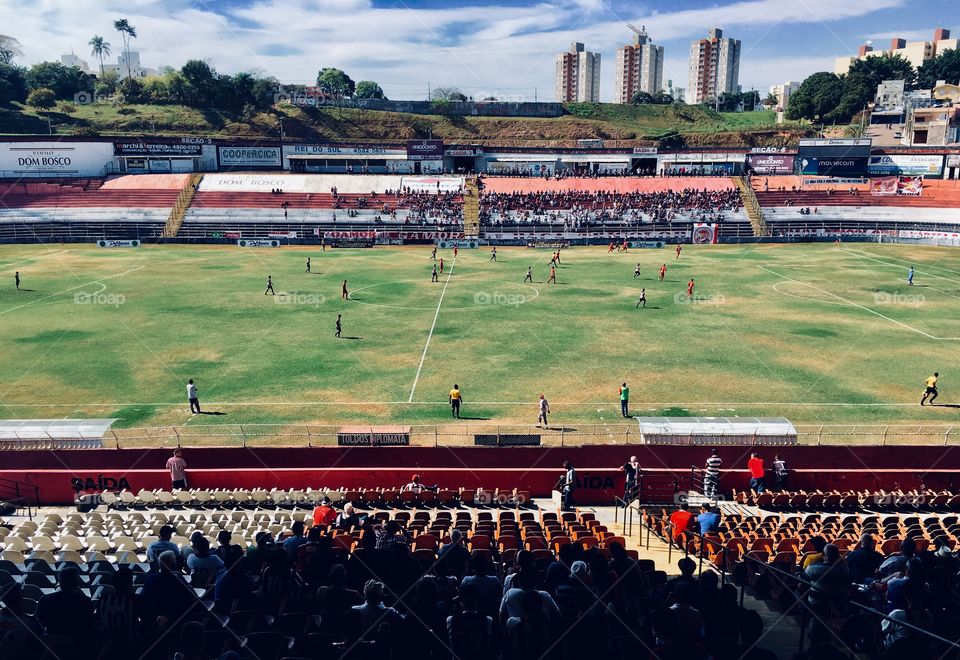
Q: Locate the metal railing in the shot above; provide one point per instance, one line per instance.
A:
(456, 434)
(20, 495)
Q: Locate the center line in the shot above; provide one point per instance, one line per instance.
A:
(423, 357)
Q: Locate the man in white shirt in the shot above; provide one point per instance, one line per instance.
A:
(192, 397)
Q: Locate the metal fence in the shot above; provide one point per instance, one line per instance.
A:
(457, 435)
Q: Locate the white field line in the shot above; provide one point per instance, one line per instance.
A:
(423, 357)
(633, 404)
(894, 264)
(43, 254)
(859, 306)
(79, 286)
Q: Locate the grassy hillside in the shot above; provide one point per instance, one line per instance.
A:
(626, 125)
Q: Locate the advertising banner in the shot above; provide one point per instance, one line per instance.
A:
(187, 147)
(953, 160)
(704, 233)
(159, 165)
(282, 234)
(908, 165)
(425, 149)
(771, 163)
(54, 158)
(645, 151)
(249, 156)
(257, 242)
(118, 244)
(834, 166)
(920, 233)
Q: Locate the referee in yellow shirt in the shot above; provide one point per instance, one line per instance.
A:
(931, 390)
(455, 400)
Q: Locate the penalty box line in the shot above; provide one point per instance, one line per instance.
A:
(423, 357)
(859, 306)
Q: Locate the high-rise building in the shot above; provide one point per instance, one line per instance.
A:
(69, 59)
(639, 68)
(714, 67)
(783, 93)
(916, 52)
(577, 75)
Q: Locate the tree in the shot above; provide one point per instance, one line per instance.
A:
(642, 98)
(367, 89)
(100, 48)
(42, 98)
(201, 82)
(13, 84)
(816, 97)
(131, 89)
(127, 32)
(448, 94)
(9, 49)
(107, 84)
(64, 81)
(662, 98)
(945, 66)
(771, 101)
(335, 83)
(872, 71)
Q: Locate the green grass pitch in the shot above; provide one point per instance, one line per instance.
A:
(818, 333)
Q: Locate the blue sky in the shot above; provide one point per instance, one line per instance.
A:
(486, 47)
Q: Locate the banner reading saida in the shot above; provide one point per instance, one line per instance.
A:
(704, 233)
(910, 185)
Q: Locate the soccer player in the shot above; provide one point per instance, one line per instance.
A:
(625, 400)
(441, 263)
(910, 276)
(610, 249)
(636, 271)
(642, 300)
(433, 255)
(679, 250)
(339, 326)
(270, 287)
(192, 398)
(931, 390)
(663, 271)
(455, 400)
(434, 277)
(16, 279)
(456, 251)
(529, 276)
(625, 246)
(690, 286)
(553, 275)
(556, 256)
(493, 253)
(343, 291)
(308, 264)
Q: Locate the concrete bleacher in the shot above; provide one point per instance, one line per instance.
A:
(607, 184)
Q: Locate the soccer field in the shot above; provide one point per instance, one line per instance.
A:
(821, 334)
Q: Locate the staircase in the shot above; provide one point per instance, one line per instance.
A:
(20, 497)
(179, 210)
(471, 208)
(752, 206)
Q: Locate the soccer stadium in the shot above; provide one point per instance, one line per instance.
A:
(289, 396)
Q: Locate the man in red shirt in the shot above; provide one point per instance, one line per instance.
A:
(757, 472)
(680, 520)
(324, 514)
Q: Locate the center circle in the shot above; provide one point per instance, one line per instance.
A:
(460, 295)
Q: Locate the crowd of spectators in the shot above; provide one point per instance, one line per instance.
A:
(424, 208)
(575, 208)
(381, 601)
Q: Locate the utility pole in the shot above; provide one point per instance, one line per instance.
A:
(428, 92)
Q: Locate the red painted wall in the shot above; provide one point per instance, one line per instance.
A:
(532, 469)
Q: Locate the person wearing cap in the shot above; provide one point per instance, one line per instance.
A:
(324, 514)
(415, 486)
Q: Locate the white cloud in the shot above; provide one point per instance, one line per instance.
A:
(503, 50)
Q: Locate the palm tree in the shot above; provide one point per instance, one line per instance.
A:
(101, 49)
(127, 32)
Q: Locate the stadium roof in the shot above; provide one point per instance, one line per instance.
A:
(58, 429)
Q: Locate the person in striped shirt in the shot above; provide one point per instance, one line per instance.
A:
(711, 478)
